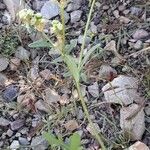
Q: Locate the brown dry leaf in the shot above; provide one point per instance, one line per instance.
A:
(71, 125)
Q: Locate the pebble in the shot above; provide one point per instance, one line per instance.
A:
(135, 11)
(50, 9)
(75, 16)
(116, 14)
(94, 90)
(121, 8)
(41, 105)
(4, 122)
(3, 63)
(17, 124)
(72, 7)
(138, 45)
(23, 141)
(147, 110)
(14, 145)
(80, 40)
(105, 7)
(124, 19)
(10, 93)
(3, 79)
(9, 132)
(140, 34)
(39, 143)
(134, 127)
(22, 53)
(37, 5)
(2, 6)
(14, 63)
(46, 74)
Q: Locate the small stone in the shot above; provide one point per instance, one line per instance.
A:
(4, 122)
(111, 46)
(37, 5)
(10, 93)
(124, 19)
(16, 125)
(41, 105)
(138, 45)
(50, 9)
(14, 145)
(135, 11)
(51, 96)
(106, 72)
(147, 110)
(133, 127)
(14, 63)
(140, 34)
(94, 90)
(23, 141)
(71, 125)
(9, 132)
(46, 74)
(3, 63)
(121, 8)
(75, 16)
(2, 6)
(39, 143)
(116, 14)
(22, 53)
(3, 79)
(125, 12)
(138, 146)
(93, 28)
(105, 7)
(96, 126)
(34, 73)
(87, 40)
(72, 7)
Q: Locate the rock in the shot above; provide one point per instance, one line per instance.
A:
(121, 8)
(50, 9)
(71, 125)
(9, 132)
(75, 16)
(14, 63)
(87, 40)
(23, 141)
(72, 7)
(37, 5)
(124, 19)
(46, 74)
(93, 28)
(51, 96)
(138, 45)
(2, 6)
(96, 126)
(34, 73)
(4, 122)
(3, 79)
(134, 127)
(106, 72)
(10, 93)
(17, 124)
(94, 90)
(3, 63)
(140, 34)
(135, 11)
(39, 143)
(14, 145)
(14, 6)
(22, 53)
(41, 105)
(116, 14)
(122, 90)
(138, 146)
(125, 12)
(111, 46)
(105, 7)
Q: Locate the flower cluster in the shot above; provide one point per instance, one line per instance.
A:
(30, 18)
(57, 27)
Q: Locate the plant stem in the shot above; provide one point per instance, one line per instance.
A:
(85, 34)
(97, 136)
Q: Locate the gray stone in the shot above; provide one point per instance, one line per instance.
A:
(17, 124)
(116, 14)
(87, 40)
(41, 105)
(94, 90)
(37, 4)
(3, 79)
(72, 7)
(14, 145)
(138, 45)
(147, 110)
(39, 143)
(10, 93)
(75, 16)
(22, 53)
(105, 7)
(140, 34)
(9, 132)
(50, 9)
(4, 122)
(135, 11)
(135, 126)
(23, 141)
(3, 63)
(124, 19)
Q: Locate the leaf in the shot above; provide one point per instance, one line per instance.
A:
(72, 66)
(69, 47)
(88, 54)
(40, 43)
(53, 141)
(75, 142)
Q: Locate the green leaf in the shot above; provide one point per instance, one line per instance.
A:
(72, 66)
(75, 142)
(69, 47)
(42, 43)
(88, 54)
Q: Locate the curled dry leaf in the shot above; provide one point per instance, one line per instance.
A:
(71, 125)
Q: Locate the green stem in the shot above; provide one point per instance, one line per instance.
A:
(97, 136)
(85, 34)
